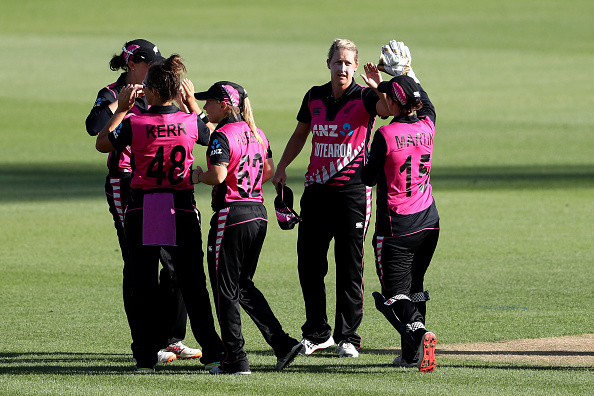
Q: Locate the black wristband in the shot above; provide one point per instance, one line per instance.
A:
(191, 174)
(204, 117)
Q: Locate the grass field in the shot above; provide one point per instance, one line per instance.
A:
(513, 177)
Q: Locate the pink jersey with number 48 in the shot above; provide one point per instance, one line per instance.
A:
(162, 149)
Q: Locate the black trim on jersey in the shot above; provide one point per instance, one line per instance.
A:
(373, 169)
(100, 115)
(228, 120)
(333, 106)
(219, 191)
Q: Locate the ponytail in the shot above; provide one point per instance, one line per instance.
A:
(118, 62)
(166, 77)
(245, 113)
(248, 117)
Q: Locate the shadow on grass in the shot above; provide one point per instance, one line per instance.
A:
(72, 363)
(42, 182)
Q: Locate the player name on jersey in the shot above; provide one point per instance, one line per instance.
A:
(157, 131)
(418, 139)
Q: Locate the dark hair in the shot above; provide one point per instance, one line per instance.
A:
(166, 77)
(118, 62)
(409, 107)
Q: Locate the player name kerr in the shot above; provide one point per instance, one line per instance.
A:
(157, 131)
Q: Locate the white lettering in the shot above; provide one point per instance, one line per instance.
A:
(326, 150)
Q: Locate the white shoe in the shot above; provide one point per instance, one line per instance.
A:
(400, 362)
(286, 360)
(346, 349)
(311, 347)
(164, 356)
(218, 370)
(183, 352)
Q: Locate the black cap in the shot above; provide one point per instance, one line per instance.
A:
(402, 89)
(283, 204)
(141, 49)
(225, 91)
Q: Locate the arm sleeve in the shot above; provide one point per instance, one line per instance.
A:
(121, 136)
(428, 109)
(203, 133)
(100, 113)
(375, 160)
(370, 100)
(304, 115)
(218, 149)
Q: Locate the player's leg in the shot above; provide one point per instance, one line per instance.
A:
(173, 311)
(145, 327)
(397, 257)
(117, 191)
(250, 234)
(419, 296)
(187, 258)
(224, 266)
(313, 241)
(352, 210)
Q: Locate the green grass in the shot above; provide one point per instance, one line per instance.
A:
(513, 177)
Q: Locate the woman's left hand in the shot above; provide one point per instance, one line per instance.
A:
(187, 90)
(128, 96)
(372, 76)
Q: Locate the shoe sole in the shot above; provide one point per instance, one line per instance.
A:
(427, 362)
(296, 350)
(169, 360)
(345, 354)
(198, 355)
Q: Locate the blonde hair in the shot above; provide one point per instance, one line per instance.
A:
(345, 44)
(248, 117)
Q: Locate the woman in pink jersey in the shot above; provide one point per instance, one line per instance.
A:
(161, 212)
(407, 221)
(335, 204)
(239, 161)
(134, 60)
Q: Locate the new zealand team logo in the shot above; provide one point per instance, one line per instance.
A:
(117, 131)
(215, 148)
(346, 130)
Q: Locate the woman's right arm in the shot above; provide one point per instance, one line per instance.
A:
(124, 103)
(294, 147)
(105, 106)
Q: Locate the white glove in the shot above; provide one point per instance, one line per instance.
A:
(396, 59)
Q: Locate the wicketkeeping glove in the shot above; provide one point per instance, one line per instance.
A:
(396, 59)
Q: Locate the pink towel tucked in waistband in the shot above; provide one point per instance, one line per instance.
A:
(158, 221)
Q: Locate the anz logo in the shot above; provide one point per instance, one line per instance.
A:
(332, 130)
(215, 148)
(324, 130)
(346, 130)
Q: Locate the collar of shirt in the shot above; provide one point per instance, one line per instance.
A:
(163, 109)
(227, 120)
(405, 119)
